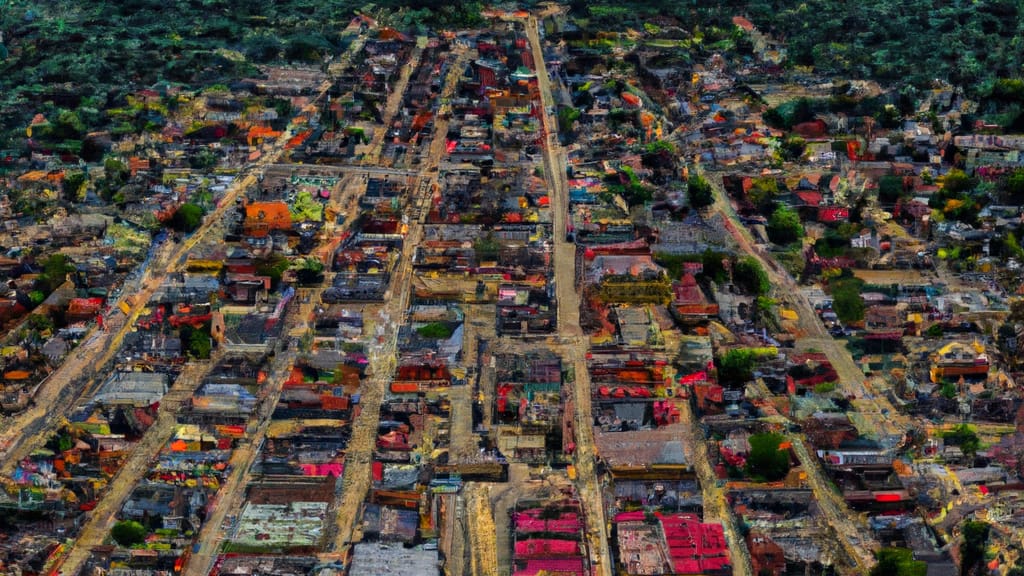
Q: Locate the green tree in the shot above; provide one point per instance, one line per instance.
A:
(115, 171)
(934, 331)
(972, 549)
(199, 344)
(67, 127)
(187, 218)
(203, 160)
(273, 268)
(72, 185)
(309, 270)
(1014, 185)
(890, 188)
(898, 562)
(735, 366)
(846, 300)
(965, 437)
(784, 226)
(700, 193)
(762, 194)
(957, 181)
(566, 117)
(306, 209)
(128, 533)
(767, 458)
(56, 267)
(948, 390)
(750, 276)
(793, 147)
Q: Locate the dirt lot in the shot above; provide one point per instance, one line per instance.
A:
(898, 276)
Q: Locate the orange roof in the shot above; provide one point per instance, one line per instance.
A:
(263, 132)
(274, 214)
(743, 23)
(40, 175)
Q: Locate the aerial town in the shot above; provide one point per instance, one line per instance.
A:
(531, 296)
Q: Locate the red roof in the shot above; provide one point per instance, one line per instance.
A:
(833, 214)
(809, 197)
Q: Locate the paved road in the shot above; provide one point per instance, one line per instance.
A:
(137, 465)
(716, 508)
(231, 495)
(855, 539)
(569, 317)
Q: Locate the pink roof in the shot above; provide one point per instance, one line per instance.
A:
(694, 546)
(552, 566)
(540, 548)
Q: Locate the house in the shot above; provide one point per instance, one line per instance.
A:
(263, 217)
(689, 301)
(959, 360)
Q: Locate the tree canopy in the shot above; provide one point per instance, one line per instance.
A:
(127, 533)
(700, 193)
(784, 226)
(187, 218)
(750, 276)
(898, 562)
(846, 300)
(768, 457)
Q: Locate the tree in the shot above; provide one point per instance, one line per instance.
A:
(309, 270)
(793, 147)
(736, 366)
(199, 344)
(72, 185)
(115, 171)
(846, 300)
(934, 331)
(55, 270)
(768, 458)
(1013, 187)
(128, 533)
(67, 127)
(203, 160)
(957, 181)
(890, 189)
(567, 116)
(762, 194)
(972, 549)
(784, 226)
(751, 277)
(965, 437)
(700, 192)
(898, 562)
(306, 209)
(187, 218)
(274, 268)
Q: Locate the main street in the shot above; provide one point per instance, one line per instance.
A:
(359, 454)
(569, 315)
